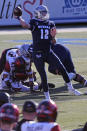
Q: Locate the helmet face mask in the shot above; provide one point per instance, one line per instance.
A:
(24, 50)
(41, 13)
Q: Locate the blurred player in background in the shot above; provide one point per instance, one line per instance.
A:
(43, 31)
(29, 113)
(47, 113)
(9, 115)
(15, 66)
(65, 56)
(84, 127)
(4, 98)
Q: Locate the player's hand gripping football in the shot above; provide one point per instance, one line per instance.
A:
(17, 12)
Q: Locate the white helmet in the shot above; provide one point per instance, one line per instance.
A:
(41, 13)
(25, 50)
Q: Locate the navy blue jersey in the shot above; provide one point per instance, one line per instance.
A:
(41, 34)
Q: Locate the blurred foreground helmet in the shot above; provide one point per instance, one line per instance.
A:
(9, 112)
(4, 98)
(47, 111)
(25, 50)
(41, 13)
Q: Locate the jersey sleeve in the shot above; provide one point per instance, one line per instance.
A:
(52, 24)
(32, 24)
(56, 128)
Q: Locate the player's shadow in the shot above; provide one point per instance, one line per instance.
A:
(55, 92)
(40, 95)
(58, 90)
(79, 129)
(64, 88)
(78, 86)
(29, 97)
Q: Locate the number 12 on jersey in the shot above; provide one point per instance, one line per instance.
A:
(44, 33)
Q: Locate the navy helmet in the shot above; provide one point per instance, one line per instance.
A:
(41, 13)
(29, 106)
(4, 98)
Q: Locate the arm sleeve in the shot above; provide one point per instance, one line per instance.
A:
(56, 128)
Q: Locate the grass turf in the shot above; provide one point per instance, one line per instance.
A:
(72, 109)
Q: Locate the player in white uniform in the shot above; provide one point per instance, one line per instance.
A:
(46, 117)
(16, 67)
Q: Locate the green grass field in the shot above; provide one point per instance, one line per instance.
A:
(72, 109)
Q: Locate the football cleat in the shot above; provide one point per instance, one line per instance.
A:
(74, 92)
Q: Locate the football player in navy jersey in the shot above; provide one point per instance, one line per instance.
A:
(43, 31)
(65, 56)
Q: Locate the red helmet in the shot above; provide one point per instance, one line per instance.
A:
(20, 69)
(47, 111)
(20, 64)
(9, 112)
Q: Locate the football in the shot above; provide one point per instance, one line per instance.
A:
(18, 11)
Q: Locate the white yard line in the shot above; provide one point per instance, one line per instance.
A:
(12, 32)
(72, 29)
